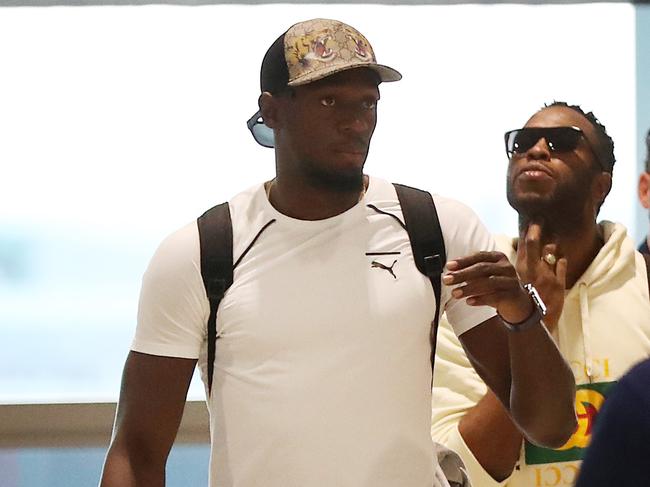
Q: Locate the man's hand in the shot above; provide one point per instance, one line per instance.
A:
(542, 267)
(489, 279)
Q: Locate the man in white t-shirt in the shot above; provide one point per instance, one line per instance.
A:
(322, 374)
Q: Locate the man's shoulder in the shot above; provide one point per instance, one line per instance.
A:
(454, 215)
(246, 206)
(248, 195)
(456, 218)
(617, 238)
(453, 207)
(184, 243)
(380, 187)
(177, 248)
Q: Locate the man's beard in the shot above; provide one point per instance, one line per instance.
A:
(334, 180)
(561, 212)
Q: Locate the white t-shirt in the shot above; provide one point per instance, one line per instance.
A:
(322, 374)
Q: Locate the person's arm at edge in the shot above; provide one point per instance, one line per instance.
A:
(149, 411)
(605, 461)
(617, 453)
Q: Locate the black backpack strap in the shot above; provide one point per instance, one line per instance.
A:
(427, 243)
(215, 237)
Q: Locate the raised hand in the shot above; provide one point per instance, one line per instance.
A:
(541, 266)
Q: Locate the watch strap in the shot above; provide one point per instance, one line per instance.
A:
(539, 311)
(534, 318)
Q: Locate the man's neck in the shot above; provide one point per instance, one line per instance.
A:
(579, 245)
(305, 202)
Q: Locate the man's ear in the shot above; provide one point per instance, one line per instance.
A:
(269, 108)
(644, 189)
(602, 187)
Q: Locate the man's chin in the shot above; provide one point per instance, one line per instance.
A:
(530, 203)
(351, 160)
(342, 180)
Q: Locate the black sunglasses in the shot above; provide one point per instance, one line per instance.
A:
(558, 139)
(262, 134)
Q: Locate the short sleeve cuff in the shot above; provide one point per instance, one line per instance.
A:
(164, 350)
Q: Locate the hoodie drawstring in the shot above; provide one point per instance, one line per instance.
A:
(586, 325)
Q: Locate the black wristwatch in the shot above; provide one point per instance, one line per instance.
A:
(539, 311)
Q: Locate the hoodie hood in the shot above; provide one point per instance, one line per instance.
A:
(614, 262)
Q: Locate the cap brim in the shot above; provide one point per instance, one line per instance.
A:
(386, 73)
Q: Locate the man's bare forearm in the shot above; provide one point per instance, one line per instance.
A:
(121, 471)
(523, 366)
(491, 436)
(542, 394)
(149, 413)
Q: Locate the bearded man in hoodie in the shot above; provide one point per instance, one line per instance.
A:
(559, 174)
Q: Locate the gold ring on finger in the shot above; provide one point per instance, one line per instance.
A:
(549, 258)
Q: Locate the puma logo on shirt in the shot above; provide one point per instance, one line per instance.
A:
(379, 265)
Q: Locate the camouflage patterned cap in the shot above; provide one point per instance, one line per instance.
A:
(317, 48)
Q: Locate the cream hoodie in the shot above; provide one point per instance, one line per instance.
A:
(603, 330)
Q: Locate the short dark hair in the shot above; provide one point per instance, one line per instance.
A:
(605, 149)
